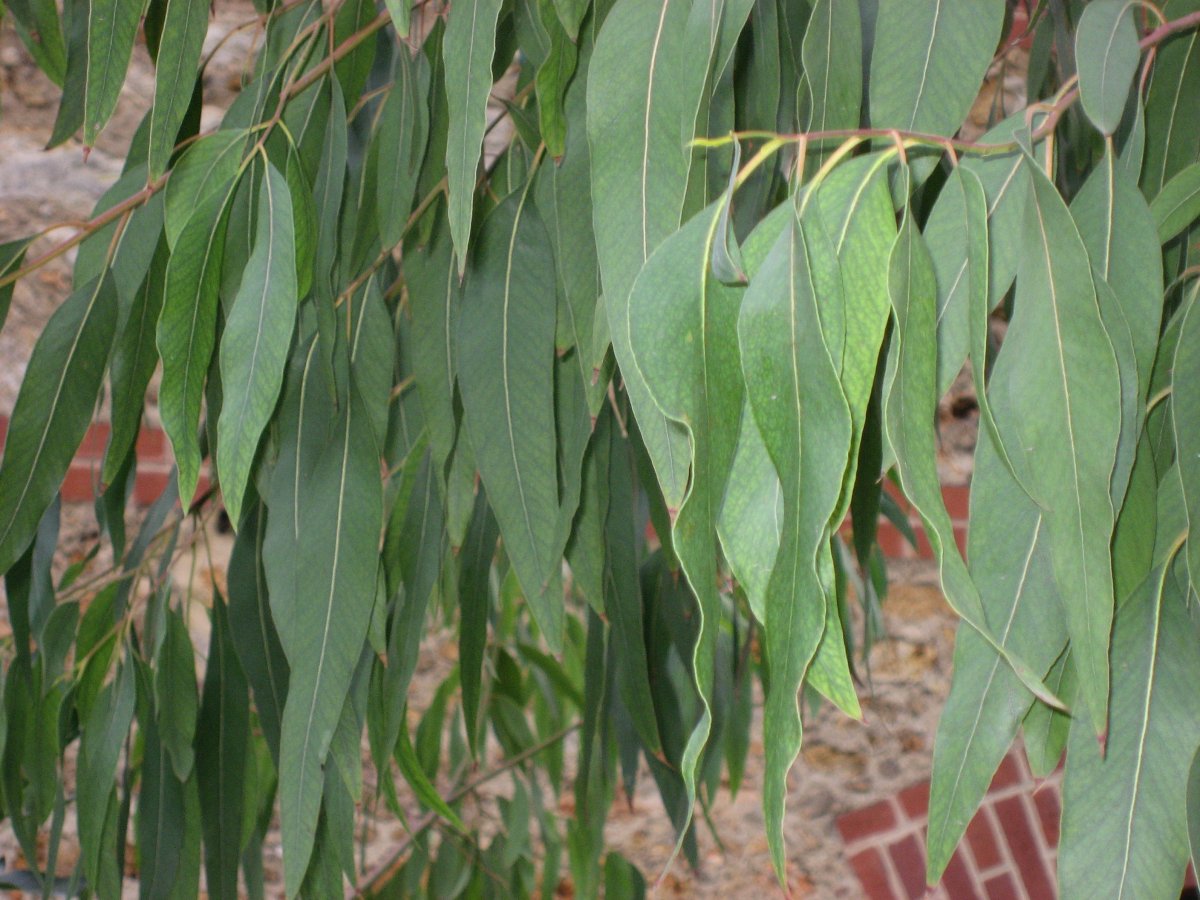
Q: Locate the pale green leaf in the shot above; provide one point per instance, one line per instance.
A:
(52, 410)
(551, 82)
(1124, 825)
(506, 377)
(184, 26)
(1178, 203)
(683, 329)
(1185, 402)
(1193, 809)
(1065, 417)
(833, 67)
(255, 341)
(1171, 133)
(336, 565)
(467, 51)
(802, 415)
(929, 60)
(635, 119)
(1106, 54)
(401, 14)
(1010, 563)
(402, 134)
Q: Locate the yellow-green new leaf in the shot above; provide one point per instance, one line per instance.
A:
(254, 344)
(467, 51)
(506, 376)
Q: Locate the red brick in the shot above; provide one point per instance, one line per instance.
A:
(915, 800)
(957, 498)
(861, 823)
(1048, 810)
(1023, 847)
(957, 880)
(79, 484)
(149, 485)
(872, 874)
(982, 841)
(1001, 887)
(1008, 774)
(909, 861)
(94, 441)
(152, 444)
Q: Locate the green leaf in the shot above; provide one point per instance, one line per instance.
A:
(833, 66)
(1193, 809)
(111, 29)
(475, 601)
(1106, 53)
(255, 341)
(1065, 415)
(402, 135)
(467, 51)
(104, 730)
(257, 640)
(175, 692)
(222, 740)
(341, 508)
(929, 60)
(1185, 402)
(162, 818)
(553, 77)
(134, 359)
(956, 237)
(400, 12)
(1178, 203)
(52, 410)
(40, 30)
(185, 24)
(187, 329)
(1010, 563)
(506, 376)
(1124, 825)
(1171, 134)
(12, 257)
(204, 173)
(635, 116)
(414, 774)
(802, 415)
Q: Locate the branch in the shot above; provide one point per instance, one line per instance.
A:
(388, 868)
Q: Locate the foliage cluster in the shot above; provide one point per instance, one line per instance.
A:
(430, 384)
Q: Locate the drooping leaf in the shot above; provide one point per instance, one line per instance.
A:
(506, 376)
(1106, 53)
(175, 692)
(929, 60)
(52, 410)
(187, 329)
(255, 341)
(184, 26)
(1193, 808)
(1178, 203)
(833, 68)
(111, 29)
(467, 51)
(802, 415)
(475, 601)
(1171, 135)
(1124, 825)
(635, 114)
(222, 739)
(203, 173)
(162, 819)
(341, 509)
(257, 640)
(553, 77)
(1010, 564)
(1065, 413)
(402, 135)
(1185, 402)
